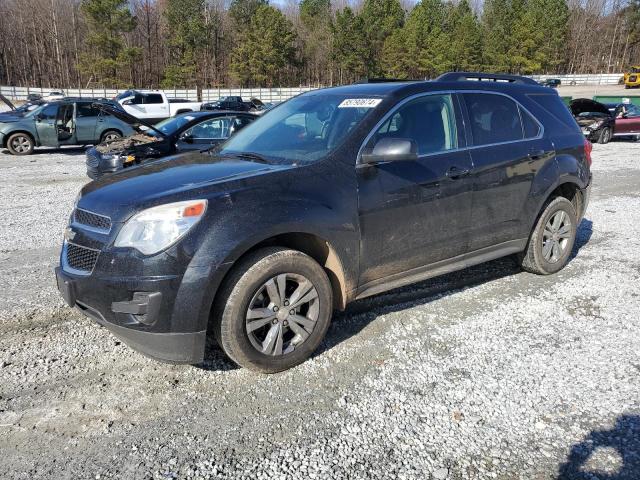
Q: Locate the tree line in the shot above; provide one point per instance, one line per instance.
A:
(214, 43)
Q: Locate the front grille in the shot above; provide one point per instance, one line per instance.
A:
(91, 219)
(81, 258)
(93, 159)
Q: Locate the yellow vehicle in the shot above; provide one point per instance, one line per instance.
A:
(632, 79)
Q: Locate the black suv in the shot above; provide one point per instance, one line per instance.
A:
(332, 196)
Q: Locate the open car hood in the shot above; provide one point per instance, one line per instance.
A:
(581, 105)
(7, 102)
(120, 114)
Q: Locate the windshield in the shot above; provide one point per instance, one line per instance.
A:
(173, 124)
(36, 110)
(302, 130)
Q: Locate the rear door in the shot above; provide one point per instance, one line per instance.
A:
(86, 121)
(508, 148)
(415, 213)
(155, 106)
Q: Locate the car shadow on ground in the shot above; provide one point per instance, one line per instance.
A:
(362, 312)
(620, 445)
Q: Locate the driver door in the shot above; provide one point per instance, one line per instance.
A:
(415, 213)
(629, 122)
(206, 134)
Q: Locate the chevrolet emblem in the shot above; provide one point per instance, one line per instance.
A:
(69, 234)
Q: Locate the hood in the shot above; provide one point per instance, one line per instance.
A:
(6, 101)
(581, 105)
(120, 114)
(126, 144)
(166, 180)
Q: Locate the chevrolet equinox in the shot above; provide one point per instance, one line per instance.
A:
(332, 196)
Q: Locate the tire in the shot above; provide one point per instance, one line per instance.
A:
(110, 135)
(246, 287)
(605, 135)
(535, 258)
(20, 144)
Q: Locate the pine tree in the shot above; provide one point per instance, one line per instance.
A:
(349, 48)
(242, 12)
(266, 50)
(465, 45)
(497, 24)
(381, 18)
(315, 30)
(107, 21)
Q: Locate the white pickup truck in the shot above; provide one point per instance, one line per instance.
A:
(154, 105)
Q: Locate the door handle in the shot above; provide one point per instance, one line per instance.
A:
(536, 154)
(456, 172)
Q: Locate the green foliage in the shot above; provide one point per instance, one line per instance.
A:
(107, 21)
(242, 11)
(187, 36)
(349, 49)
(381, 18)
(268, 47)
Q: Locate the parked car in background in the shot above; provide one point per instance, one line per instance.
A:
(335, 195)
(53, 95)
(72, 121)
(236, 104)
(600, 122)
(632, 77)
(182, 133)
(594, 118)
(551, 82)
(154, 105)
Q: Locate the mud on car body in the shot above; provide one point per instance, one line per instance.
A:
(335, 195)
(182, 133)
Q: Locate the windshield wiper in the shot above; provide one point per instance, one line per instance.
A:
(251, 156)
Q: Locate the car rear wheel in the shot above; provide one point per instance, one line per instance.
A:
(605, 135)
(110, 135)
(552, 239)
(274, 310)
(20, 144)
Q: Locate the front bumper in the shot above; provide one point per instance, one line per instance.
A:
(132, 309)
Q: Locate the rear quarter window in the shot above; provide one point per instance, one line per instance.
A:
(554, 105)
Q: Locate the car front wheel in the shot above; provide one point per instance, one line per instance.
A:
(110, 135)
(605, 135)
(20, 144)
(274, 310)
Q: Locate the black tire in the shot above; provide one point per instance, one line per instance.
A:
(20, 144)
(605, 135)
(243, 284)
(533, 259)
(114, 134)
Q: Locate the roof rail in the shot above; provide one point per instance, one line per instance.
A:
(384, 80)
(480, 76)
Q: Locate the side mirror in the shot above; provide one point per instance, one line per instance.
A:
(391, 150)
(187, 138)
(38, 118)
(127, 102)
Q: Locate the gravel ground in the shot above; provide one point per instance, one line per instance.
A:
(486, 373)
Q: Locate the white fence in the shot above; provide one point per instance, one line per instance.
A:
(585, 79)
(264, 94)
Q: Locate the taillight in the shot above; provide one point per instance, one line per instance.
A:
(587, 151)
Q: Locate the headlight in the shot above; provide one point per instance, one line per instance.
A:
(159, 227)
(596, 125)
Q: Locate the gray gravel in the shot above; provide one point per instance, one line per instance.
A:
(486, 373)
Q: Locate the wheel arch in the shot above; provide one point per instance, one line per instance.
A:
(33, 137)
(312, 245)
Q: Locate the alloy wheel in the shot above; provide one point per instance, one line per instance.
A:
(111, 136)
(556, 236)
(20, 144)
(282, 314)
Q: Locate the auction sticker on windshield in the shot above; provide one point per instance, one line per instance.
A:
(360, 103)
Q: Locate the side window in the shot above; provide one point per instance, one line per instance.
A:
(86, 110)
(429, 121)
(212, 129)
(153, 98)
(50, 112)
(529, 124)
(138, 99)
(633, 111)
(240, 122)
(494, 118)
